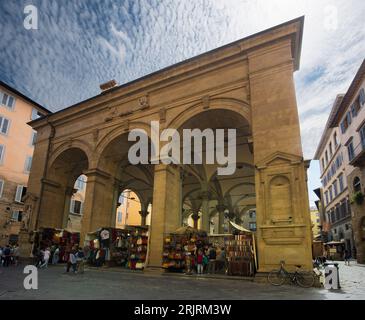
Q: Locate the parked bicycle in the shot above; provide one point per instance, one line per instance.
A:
(277, 277)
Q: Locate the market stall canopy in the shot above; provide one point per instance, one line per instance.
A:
(185, 230)
(334, 242)
(239, 227)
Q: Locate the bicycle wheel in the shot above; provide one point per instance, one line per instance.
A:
(305, 279)
(276, 277)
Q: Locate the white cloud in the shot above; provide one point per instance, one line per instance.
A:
(81, 44)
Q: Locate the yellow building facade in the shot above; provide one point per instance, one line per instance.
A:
(316, 222)
(17, 140)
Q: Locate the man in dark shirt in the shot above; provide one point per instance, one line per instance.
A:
(212, 258)
(7, 253)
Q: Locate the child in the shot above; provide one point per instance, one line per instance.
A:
(199, 262)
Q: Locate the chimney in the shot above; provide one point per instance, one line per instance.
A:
(108, 85)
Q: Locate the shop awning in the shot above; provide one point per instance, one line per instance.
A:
(239, 227)
(333, 243)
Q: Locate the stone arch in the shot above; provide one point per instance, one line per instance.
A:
(72, 144)
(238, 106)
(64, 168)
(120, 131)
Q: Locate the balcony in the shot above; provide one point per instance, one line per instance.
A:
(359, 155)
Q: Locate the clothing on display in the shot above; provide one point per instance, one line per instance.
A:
(180, 248)
(118, 247)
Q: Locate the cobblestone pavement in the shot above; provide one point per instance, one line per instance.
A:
(106, 284)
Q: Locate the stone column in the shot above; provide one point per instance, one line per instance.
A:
(283, 220)
(144, 214)
(69, 192)
(98, 204)
(118, 189)
(205, 212)
(195, 217)
(166, 203)
(220, 208)
(51, 206)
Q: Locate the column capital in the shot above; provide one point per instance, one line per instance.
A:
(195, 216)
(143, 213)
(205, 195)
(95, 172)
(220, 208)
(70, 191)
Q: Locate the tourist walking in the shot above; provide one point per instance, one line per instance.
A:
(71, 263)
(7, 256)
(16, 254)
(46, 256)
(40, 254)
(346, 257)
(80, 260)
(56, 255)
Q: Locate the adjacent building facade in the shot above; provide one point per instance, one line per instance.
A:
(316, 230)
(17, 140)
(341, 156)
(350, 119)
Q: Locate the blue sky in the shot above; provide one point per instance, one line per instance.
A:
(80, 44)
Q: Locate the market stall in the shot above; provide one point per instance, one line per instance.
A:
(334, 250)
(180, 248)
(239, 252)
(52, 238)
(117, 247)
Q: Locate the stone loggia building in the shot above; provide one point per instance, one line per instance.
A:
(247, 85)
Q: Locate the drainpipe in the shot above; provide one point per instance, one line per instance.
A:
(51, 136)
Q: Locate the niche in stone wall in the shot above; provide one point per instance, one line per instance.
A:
(280, 199)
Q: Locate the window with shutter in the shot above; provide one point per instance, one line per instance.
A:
(77, 207)
(72, 205)
(1, 187)
(362, 96)
(5, 99)
(4, 125)
(28, 164)
(11, 102)
(350, 150)
(353, 111)
(17, 215)
(19, 193)
(362, 136)
(343, 129)
(8, 101)
(349, 118)
(33, 139)
(2, 153)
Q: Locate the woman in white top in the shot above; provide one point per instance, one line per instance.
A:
(46, 255)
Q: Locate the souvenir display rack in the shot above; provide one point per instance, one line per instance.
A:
(180, 244)
(138, 241)
(240, 255)
(50, 237)
(118, 247)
